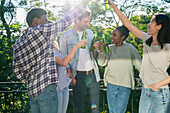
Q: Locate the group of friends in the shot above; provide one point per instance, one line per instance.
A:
(49, 67)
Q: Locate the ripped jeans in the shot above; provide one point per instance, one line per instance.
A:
(117, 98)
(154, 101)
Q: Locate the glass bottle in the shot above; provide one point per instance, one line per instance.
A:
(83, 37)
(107, 5)
(106, 47)
(90, 3)
(92, 42)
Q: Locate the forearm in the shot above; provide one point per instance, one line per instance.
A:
(95, 53)
(121, 16)
(69, 57)
(126, 22)
(164, 82)
(68, 18)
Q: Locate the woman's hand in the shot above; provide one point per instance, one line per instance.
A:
(102, 46)
(154, 87)
(96, 45)
(111, 3)
(73, 81)
(70, 75)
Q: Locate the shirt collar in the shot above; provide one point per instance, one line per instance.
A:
(75, 32)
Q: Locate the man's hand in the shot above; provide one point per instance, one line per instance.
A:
(81, 43)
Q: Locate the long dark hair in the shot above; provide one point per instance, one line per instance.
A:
(164, 33)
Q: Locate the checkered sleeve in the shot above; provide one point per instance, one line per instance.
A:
(20, 67)
(58, 27)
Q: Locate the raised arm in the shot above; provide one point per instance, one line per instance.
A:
(59, 26)
(126, 22)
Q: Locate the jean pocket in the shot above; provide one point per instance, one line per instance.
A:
(159, 90)
(47, 95)
(44, 99)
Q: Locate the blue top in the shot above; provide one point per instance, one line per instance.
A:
(63, 79)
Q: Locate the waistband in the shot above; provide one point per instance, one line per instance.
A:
(86, 72)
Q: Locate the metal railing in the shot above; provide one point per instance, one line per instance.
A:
(14, 98)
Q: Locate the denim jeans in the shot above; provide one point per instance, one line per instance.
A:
(46, 102)
(154, 101)
(86, 85)
(117, 98)
(63, 98)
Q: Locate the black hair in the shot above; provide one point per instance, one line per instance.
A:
(34, 13)
(86, 13)
(123, 31)
(164, 33)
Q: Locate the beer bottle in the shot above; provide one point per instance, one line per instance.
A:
(93, 41)
(107, 5)
(83, 37)
(90, 3)
(106, 47)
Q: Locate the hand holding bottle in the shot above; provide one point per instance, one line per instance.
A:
(82, 43)
(102, 45)
(98, 45)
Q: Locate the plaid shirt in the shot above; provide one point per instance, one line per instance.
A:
(33, 59)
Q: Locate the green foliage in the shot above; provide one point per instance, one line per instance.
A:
(102, 22)
(6, 50)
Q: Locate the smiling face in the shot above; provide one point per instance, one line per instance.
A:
(117, 38)
(153, 28)
(83, 23)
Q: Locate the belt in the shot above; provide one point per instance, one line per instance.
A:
(86, 72)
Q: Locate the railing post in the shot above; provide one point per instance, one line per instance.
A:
(5, 102)
(13, 94)
(132, 101)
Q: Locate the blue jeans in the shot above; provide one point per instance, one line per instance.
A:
(154, 101)
(46, 102)
(63, 98)
(117, 98)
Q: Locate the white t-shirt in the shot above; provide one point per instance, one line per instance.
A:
(84, 62)
(155, 62)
